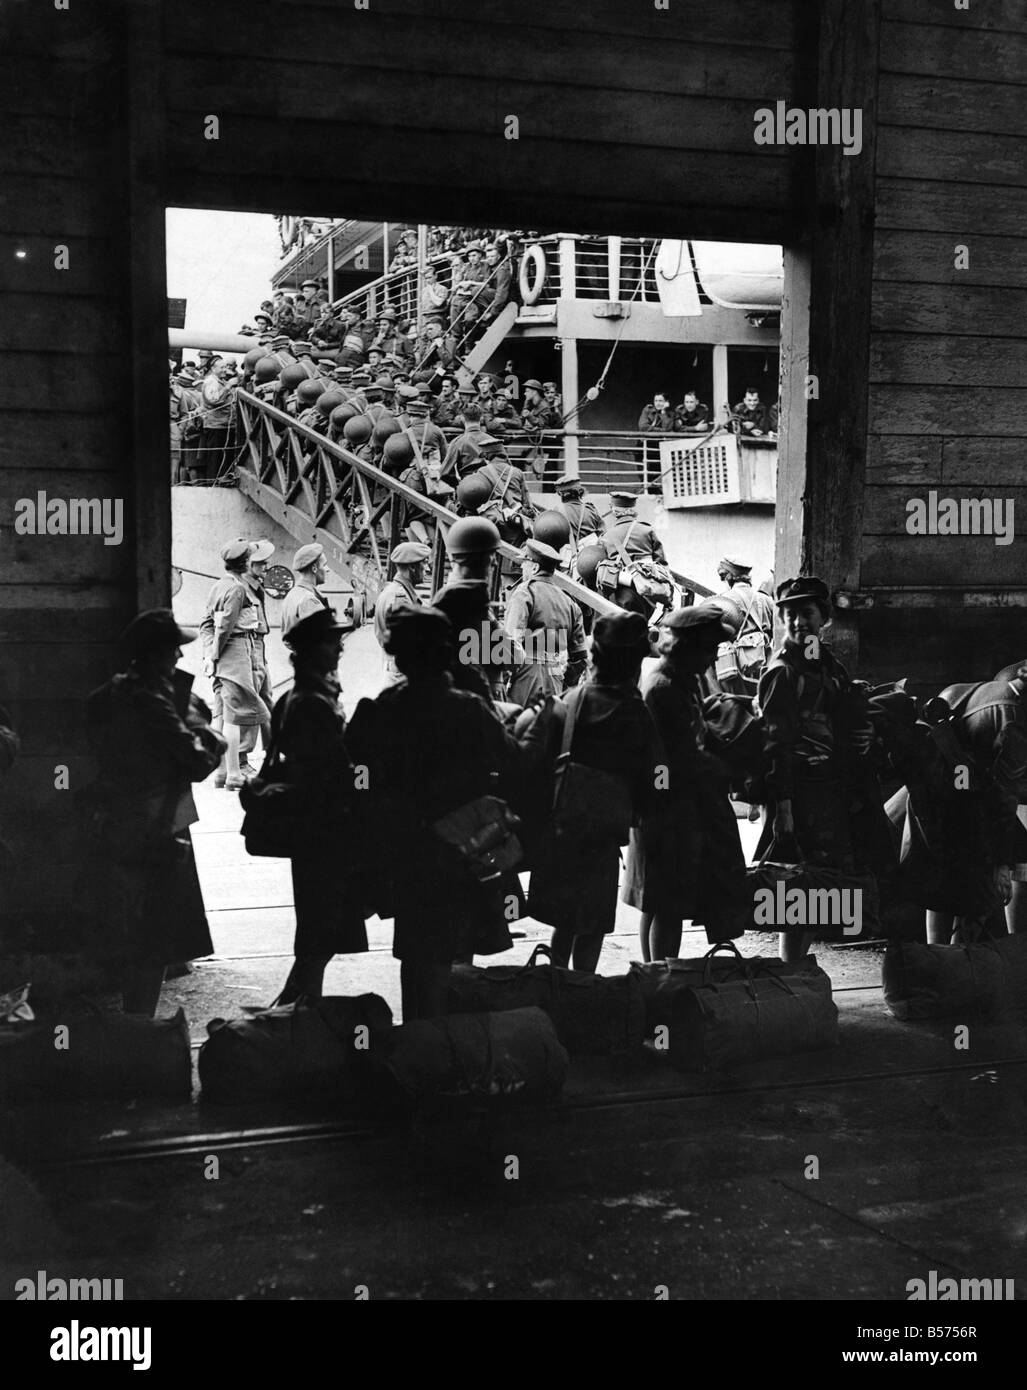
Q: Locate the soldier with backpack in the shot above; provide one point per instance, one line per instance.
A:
(748, 616)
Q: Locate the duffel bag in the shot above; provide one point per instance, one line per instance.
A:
(97, 1056)
(663, 982)
(812, 897)
(725, 1024)
(513, 1053)
(594, 1015)
(290, 1050)
(974, 981)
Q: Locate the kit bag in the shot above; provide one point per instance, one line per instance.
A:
(827, 893)
(489, 1054)
(594, 1015)
(980, 980)
(665, 982)
(727, 1023)
(587, 804)
(482, 835)
(745, 655)
(295, 1049)
(101, 1056)
(278, 823)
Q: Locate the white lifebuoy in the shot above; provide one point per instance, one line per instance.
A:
(532, 276)
(287, 229)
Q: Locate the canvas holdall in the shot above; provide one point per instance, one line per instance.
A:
(745, 1018)
(99, 1056)
(664, 982)
(594, 1015)
(291, 1050)
(516, 1053)
(980, 980)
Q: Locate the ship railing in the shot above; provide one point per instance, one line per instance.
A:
(575, 267)
(614, 269)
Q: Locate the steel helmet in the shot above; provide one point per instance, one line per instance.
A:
(252, 358)
(589, 559)
(341, 414)
(293, 375)
(328, 400)
(472, 536)
(552, 528)
(307, 392)
(384, 426)
(473, 491)
(266, 370)
(358, 429)
(397, 453)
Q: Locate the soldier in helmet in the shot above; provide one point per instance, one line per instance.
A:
(464, 453)
(307, 311)
(547, 622)
(390, 338)
(510, 495)
(409, 559)
(485, 656)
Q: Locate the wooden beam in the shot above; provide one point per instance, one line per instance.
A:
(147, 259)
(841, 277)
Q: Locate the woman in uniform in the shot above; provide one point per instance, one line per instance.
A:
(814, 729)
(574, 875)
(685, 859)
(431, 749)
(309, 732)
(152, 739)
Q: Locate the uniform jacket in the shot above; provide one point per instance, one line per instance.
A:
(152, 739)
(653, 419)
(231, 612)
(583, 518)
(805, 716)
(299, 603)
(699, 418)
(509, 486)
(635, 537)
(393, 595)
(750, 419)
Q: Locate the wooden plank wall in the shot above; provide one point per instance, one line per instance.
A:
(65, 412)
(631, 119)
(948, 385)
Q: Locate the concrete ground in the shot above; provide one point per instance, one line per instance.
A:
(831, 1175)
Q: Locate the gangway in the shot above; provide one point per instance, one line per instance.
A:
(318, 490)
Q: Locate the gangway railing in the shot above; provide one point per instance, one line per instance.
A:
(319, 490)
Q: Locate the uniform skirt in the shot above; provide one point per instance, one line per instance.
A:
(147, 914)
(574, 888)
(687, 862)
(328, 921)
